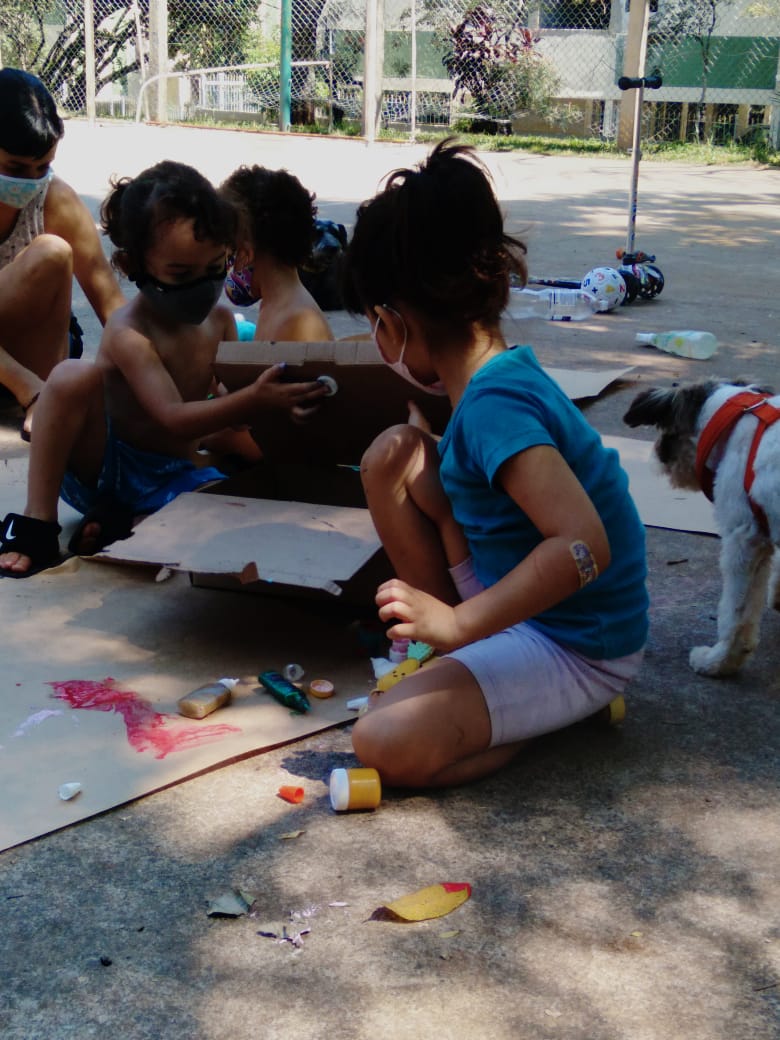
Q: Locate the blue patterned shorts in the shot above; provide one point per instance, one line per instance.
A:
(143, 481)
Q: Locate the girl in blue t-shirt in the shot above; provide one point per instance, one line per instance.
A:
(519, 552)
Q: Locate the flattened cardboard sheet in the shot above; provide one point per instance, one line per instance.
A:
(71, 629)
(659, 504)
(579, 385)
(294, 543)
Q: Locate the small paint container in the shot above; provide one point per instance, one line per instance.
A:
(352, 789)
(322, 688)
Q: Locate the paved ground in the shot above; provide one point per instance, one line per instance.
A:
(626, 883)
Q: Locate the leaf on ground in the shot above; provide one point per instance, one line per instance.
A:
(433, 901)
(290, 835)
(234, 902)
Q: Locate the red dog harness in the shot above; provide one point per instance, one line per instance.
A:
(748, 402)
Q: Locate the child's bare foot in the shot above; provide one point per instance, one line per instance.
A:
(88, 539)
(106, 522)
(28, 545)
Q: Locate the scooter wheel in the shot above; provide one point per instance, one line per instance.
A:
(656, 276)
(633, 285)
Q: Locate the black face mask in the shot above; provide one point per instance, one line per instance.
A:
(187, 304)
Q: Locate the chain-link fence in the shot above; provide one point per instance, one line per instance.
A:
(525, 66)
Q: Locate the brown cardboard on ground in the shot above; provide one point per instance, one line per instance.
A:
(86, 622)
(659, 504)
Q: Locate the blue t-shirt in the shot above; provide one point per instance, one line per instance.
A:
(509, 405)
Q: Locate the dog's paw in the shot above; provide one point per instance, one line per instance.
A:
(711, 661)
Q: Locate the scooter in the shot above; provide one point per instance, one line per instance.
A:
(639, 271)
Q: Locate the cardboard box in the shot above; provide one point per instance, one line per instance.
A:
(370, 398)
(297, 523)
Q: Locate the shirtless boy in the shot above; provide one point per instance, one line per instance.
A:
(118, 438)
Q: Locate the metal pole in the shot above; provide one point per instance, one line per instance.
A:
(636, 155)
(633, 65)
(158, 56)
(413, 128)
(89, 58)
(285, 67)
(373, 68)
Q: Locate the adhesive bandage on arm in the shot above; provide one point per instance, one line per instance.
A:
(587, 568)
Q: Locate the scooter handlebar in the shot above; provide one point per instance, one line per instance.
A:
(651, 82)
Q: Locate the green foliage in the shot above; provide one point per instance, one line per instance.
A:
(262, 49)
(208, 33)
(22, 31)
(495, 66)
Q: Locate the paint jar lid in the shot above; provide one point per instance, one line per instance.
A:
(339, 789)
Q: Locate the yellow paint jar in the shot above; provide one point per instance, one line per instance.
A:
(355, 789)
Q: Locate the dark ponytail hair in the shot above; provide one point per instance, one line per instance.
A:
(29, 125)
(137, 206)
(434, 239)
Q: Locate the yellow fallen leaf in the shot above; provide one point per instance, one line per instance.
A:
(433, 901)
(450, 935)
(289, 835)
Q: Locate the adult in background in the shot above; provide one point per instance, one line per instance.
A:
(47, 235)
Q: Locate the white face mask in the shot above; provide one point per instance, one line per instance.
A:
(400, 367)
(17, 192)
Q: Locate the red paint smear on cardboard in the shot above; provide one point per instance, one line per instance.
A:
(147, 729)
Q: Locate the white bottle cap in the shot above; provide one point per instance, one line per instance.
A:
(339, 790)
(229, 684)
(645, 337)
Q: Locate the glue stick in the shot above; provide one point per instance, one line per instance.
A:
(355, 789)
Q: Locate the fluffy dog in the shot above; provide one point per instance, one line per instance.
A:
(715, 458)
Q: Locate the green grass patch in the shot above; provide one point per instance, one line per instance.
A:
(702, 154)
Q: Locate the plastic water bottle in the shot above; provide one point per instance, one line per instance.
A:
(552, 304)
(688, 343)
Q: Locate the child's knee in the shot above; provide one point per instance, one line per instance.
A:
(391, 451)
(383, 746)
(74, 380)
(49, 256)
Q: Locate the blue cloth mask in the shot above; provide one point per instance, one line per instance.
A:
(186, 304)
(18, 192)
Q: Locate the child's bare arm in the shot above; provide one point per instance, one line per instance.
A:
(574, 550)
(67, 216)
(160, 398)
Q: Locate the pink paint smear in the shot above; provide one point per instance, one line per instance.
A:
(147, 729)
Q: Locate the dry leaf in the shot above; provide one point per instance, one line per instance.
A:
(433, 901)
(290, 835)
(233, 903)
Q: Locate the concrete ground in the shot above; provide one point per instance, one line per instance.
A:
(626, 883)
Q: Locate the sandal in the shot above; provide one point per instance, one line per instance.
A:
(37, 539)
(25, 434)
(116, 524)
